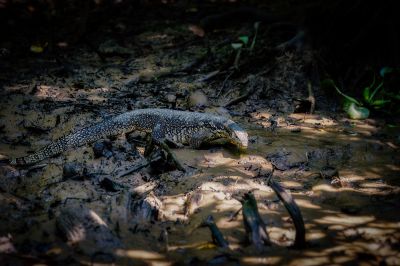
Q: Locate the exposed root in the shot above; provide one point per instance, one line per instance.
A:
(294, 212)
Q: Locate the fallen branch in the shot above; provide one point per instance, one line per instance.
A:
(135, 168)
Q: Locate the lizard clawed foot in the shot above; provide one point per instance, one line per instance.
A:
(170, 155)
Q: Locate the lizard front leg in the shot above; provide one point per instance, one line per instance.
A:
(158, 138)
(206, 138)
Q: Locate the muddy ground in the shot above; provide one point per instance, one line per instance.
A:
(343, 174)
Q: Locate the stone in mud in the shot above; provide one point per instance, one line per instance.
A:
(102, 148)
(219, 111)
(171, 98)
(110, 185)
(86, 231)
(197, 99)
(73, 170)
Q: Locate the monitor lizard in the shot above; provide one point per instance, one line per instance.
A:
(164, 125)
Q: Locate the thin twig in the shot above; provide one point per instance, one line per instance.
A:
(135, 168)
(209, 76)
(224, 82)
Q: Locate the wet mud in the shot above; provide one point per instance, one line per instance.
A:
(94, 205)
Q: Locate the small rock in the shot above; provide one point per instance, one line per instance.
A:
(111, 185)
(171, 98)
(197, 99)
(72, 169)
(102, 148)
(218, 111)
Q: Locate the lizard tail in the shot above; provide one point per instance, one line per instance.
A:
(14, 161)
(73, 140)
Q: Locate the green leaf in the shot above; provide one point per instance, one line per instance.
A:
(375, 91)
(244, 39)
(367, 93)
(357, 112)
(253, 42)
(327, 83)
(346, 105)
(351, 99)
(380, 103)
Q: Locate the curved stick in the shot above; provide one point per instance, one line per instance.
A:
(294, 212)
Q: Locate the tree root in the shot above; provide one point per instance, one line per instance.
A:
(293, 210)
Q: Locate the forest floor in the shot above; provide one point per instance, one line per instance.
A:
(342, 173)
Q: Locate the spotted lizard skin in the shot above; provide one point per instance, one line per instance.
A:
(181, 127)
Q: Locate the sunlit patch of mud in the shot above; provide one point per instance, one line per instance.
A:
(216, 180)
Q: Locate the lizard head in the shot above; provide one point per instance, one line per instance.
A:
(237, 135)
